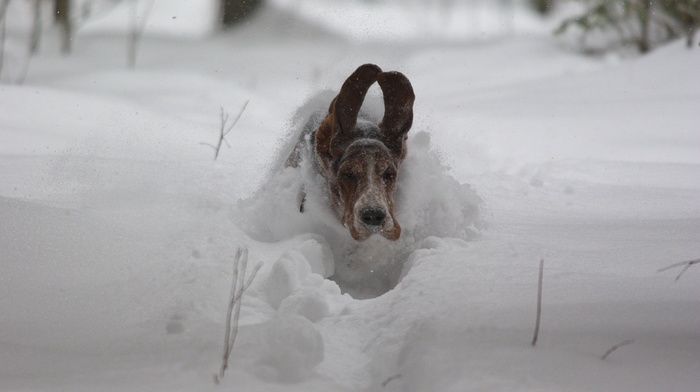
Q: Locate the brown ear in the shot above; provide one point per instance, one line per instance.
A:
(398, 110)
(339, 125)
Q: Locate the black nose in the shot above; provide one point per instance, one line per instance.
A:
(373, 216)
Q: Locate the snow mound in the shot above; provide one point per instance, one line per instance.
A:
(429, 203)
(295, 267)
(287, 349)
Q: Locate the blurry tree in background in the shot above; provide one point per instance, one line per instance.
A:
(35, 36)
(643, 24)
(236, 11)
(63, 19)
(543, 7)
(686, 14)
(602, 25)
(138, 19)
(3, 12)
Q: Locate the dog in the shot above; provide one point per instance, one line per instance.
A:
(359, 159)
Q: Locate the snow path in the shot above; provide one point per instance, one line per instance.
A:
(119, 231)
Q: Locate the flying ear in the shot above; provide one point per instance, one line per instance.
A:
(339, 125)
(398, 110)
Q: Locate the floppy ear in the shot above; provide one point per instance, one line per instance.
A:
(398, 110)
(339, 125)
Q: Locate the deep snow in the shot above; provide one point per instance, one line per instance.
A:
(119, 229)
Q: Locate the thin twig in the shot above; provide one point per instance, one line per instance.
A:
(239, 285)
(539, 304)
(224, 130)
(687, 265)
(615, 347)
(238, 117)
(227, 334)
(237, 299)
(248, 282)
(390, 379)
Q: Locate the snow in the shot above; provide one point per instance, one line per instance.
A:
(119, 229)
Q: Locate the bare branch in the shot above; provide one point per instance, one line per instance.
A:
(615, 347)
(686, 264)
(539, 304)
(224, 130)
(208, 145)
(224, 117)
(238, 117)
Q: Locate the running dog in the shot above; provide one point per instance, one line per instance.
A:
(358, 158)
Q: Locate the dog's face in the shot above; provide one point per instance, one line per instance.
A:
(361, 163)
(366, 180)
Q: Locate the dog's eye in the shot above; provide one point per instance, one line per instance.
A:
(388, 176)
(350, 176)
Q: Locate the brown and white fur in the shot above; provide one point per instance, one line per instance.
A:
(360, 159)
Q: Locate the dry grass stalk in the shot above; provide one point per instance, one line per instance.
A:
(224, 130)
(615, 347)
(539, 304)
(684, 264)
(390, 379)
(239, 285)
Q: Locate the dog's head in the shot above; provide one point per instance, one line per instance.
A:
(361, 159)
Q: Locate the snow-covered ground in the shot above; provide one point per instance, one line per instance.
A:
(119, 229)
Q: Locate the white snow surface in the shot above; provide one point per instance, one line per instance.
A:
(119, 229)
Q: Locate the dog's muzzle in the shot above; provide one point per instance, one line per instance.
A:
(374, 220)
(373, 216)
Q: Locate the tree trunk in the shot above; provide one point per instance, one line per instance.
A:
(236, 11)
(36, 27)
(644, 20)
(62, 15)
(690, 38)
(3, 12)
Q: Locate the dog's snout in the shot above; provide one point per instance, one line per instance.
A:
(373, 216)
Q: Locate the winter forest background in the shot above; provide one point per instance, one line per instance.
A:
(149, 230)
